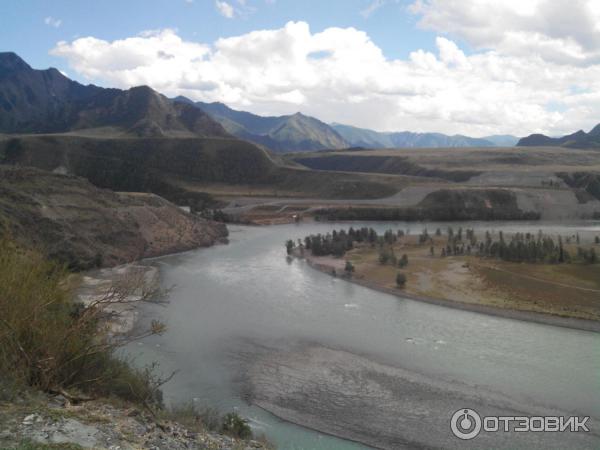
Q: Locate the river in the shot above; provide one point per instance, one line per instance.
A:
(231, 306)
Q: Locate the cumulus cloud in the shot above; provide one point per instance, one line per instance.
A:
(225, 9)
(340, 74)
(52, 22)
(559, 31)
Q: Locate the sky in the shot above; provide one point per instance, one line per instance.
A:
(474, 67)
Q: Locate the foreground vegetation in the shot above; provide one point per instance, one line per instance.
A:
(53, 345)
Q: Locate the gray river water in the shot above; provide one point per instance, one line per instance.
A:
(231, 302)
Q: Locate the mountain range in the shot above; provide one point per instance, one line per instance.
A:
(579, 139)
(290, 133)
(298, 132)
(360, 137)
(46, 101)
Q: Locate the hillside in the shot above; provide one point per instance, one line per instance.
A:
(140, 164)
(295, 132)
(361, 137)
(45, 101)
(579, 139)
(398, 165)
(183, 169)
(73, 221)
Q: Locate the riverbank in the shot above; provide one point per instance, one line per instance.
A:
(41, 421)
(472, 284)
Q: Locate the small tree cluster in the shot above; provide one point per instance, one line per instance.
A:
(525, 247)
(587, 256)
(424, 237)
(337, 243)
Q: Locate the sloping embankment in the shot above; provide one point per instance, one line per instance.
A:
(73, 221)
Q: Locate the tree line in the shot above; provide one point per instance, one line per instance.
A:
(520, 247)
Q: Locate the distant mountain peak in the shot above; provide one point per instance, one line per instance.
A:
(182, 99)
(11, 62)
(579, 139)
(595, 131)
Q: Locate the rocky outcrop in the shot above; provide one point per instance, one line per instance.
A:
(73, 221)
(101, 425)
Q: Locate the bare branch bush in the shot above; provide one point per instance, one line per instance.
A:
(50, 342)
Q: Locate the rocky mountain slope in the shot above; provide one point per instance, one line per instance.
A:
(45, 101)
(75, 222)
(295, 132)
(579, 139)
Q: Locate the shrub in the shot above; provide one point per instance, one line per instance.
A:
(51, 343)
(403, 261)
(236, 426)
(349, 268)
(400, 279)
(207, 419)
(386, 255)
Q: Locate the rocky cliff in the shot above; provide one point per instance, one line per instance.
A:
(70, 219)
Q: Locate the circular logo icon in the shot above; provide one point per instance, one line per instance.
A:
(465, 424)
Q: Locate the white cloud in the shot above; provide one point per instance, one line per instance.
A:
(225, 9)
(374, 5)
(52, 22)
(560, 31)
(340, 75)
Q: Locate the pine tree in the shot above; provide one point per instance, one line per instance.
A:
(349, 268)
(289, 245)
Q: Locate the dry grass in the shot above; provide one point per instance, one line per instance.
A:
(570, 290)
